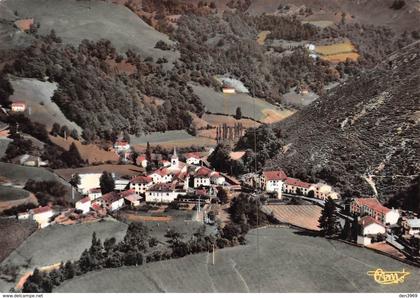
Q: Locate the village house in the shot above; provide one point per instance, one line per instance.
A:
(42, 216)
(29, 161)
(18, 106)
(131, 197)
(296, 186)
(192, 158)
(202, 177)
(121, 184)
(372, 207)
(413, 226)
(121, 146)
(323, 191)
(141, 183)
(24, 24)
(163, 193)
(228, 89)
(272, 181)
(113, 201)
(94, 193)
(370, 227)
(162, 175)
(141, 160)
(84, 205)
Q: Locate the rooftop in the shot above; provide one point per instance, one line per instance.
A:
(372, 203)
(141, 179)
(41, 210)
(275, 175)
(368, 220)
(297, 182)
(414, 222)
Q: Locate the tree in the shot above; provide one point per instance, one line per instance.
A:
(65, 131)
(72, 157)
(220, 158)
(107, 183)
(148, 153)
(222, 196)
(69, 270)
(74, 134)
(328, 219)
(55, 130)
(238, 114)
(75, 180)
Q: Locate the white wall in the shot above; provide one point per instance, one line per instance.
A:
(201, 181)
(84, 207)
(373, 229)
(273, 185)
(162, 197)
(392, 216)
(193, 161)
(89, 181)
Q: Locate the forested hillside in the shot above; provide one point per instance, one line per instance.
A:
(365, 128)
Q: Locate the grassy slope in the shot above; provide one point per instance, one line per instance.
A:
(8, 193)
(77, 20)
(38, 95)
(286, 263)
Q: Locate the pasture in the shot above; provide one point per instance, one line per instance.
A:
(12, 196)
(337, 52)
(255, 108)
(304, 216)
(4, 142)
(37, 95)
(262, 36)
(75, 20)
(170, 139)
(285, 262)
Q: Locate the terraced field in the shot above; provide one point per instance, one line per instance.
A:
(305, 216)
(338, 52)
(285, 262)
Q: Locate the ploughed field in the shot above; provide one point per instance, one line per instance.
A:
(286, 262)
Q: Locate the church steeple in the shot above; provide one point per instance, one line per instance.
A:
(174, 159)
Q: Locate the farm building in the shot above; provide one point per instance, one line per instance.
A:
(193, 158)
(296, 186)
(131, 197)
(372, 207)
(121, 184)
(24, 24)
(121, 146)
(94, 193)
(272, 181)
(141, 183)
(30, 161)
(113, 201)
(371, 226)
(163, 193)
(413, 226)
(84, 205)
(18, 106)
(227, 89)
(42, 216)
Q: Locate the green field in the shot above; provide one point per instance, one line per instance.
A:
(74, 21)
(18, 175)
(8, 193)
(61, 243)
(217, 102)
(4, 142)
(285, 262)
(179, 138)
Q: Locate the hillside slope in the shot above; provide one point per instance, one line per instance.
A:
(367, 126)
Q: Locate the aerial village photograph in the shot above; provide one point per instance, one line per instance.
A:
(210, 146)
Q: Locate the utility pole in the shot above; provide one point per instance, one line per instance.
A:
(199, 206)
(213, 254)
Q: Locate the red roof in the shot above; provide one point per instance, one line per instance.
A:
(127, 193)
(141, 158)
(121, 143)
(161, 172)
(193, 154)
(110, 197)
(41, 210)
(274, 175)
(163, 187)
(203, 172)
(371, 203)
(367, 220)
(95, 190)
(141, 179)
(18, 103)
(297, 182)
(85, 200)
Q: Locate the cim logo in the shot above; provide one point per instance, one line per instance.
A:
(388, 277)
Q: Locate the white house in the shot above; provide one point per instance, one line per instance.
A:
(202, 177)
(121, 184)
(84, 205)
(162, 175)
(216, 178)
(113, 201)
(323, 191)
(131, 197)
(272, 181)
(18, 106)
(121, 146)
(141, 183)
(42, 216)
(371, 226)
(296, 186)
(94, 193)
(88, 181)
(192, 158)
(163, 193)
(372, 207)
(413, 226)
